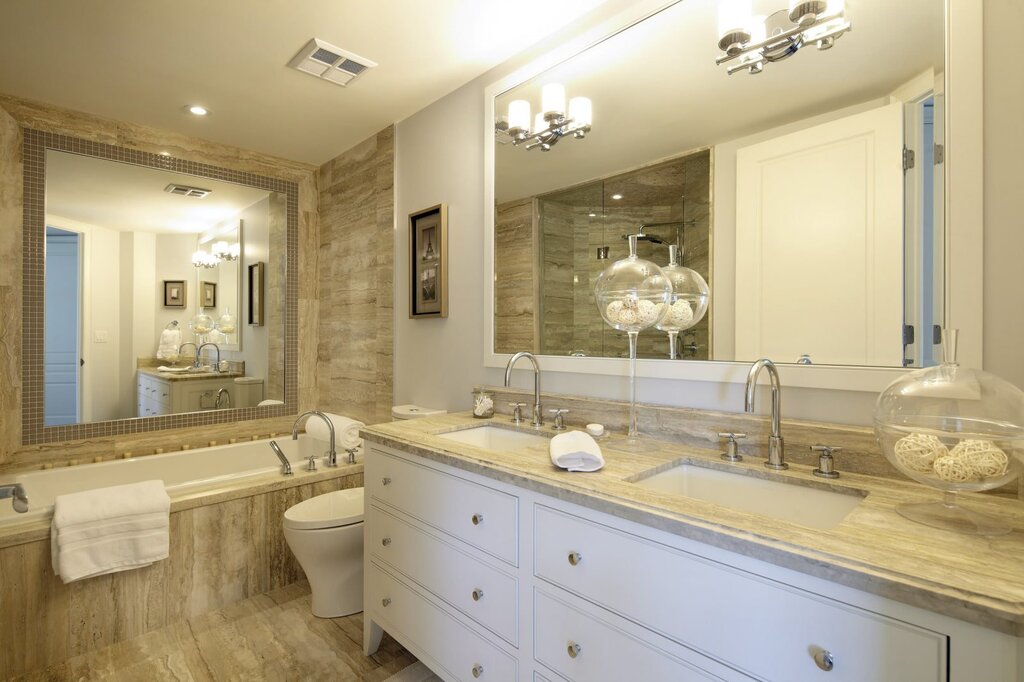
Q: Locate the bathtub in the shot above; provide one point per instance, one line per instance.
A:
(182, 472)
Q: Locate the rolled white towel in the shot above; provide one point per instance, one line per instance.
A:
(346, 431)
(576, 451)
(269, 401)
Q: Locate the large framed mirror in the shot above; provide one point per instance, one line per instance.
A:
(134, 292)
(831, 200)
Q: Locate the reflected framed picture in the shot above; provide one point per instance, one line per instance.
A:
(174, 293)
(428, 249)
(207, 294)
(256, 271)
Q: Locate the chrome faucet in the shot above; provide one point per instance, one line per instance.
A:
(194, 347)
(199, 354)
(538, 415)
(331, 456)
(286, 466)
(16, 492)
(776, 446)
(222, 395)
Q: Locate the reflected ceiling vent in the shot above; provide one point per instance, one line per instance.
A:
(186, 191)
(323, 60)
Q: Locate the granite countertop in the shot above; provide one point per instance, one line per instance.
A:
(185, 376)
(874, 549)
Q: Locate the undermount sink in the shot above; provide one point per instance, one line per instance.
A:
(807, 506)
(495, 438)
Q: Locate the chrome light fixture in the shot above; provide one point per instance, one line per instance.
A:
(750, 41)
(204, 259)
(550, 125)
(224, 251)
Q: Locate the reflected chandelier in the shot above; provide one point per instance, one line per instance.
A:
(752, 40)
(550, 125)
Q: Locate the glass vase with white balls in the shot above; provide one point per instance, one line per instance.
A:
(201, 325)
(689, 300)
(955, 429)
(632, 294)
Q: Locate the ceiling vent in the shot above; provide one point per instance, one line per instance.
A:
(186, 191)
(323, 60)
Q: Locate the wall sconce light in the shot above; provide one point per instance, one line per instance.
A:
(204, 259)
(224, 251)
(550, 124)
(752, 40)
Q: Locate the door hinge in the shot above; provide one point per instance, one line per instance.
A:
(940, 154)
(908, 334)
(908, 159)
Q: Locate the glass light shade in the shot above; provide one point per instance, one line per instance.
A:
(202, 324)
(236, 251)
(539, 123)
(632, 294)
(757, 28)
(581, 111)
(734, 16)
(955, 429)
(689, 301)
(519, 114)
(220, 249)
(552, 98)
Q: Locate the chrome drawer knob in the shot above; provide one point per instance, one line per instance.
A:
(386, 480)
(575, 558)
(478, 670)
(478, 594)
(386, 541)
(477, 519)
(824, 660)
(573, 649)
(385, 601)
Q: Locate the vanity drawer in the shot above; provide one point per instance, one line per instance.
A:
(406, 614)
(154, 390)
(759, 626)
(485, 594)
(586, 648)
(479, 516)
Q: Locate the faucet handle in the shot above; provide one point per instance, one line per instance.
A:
(826, 463)
(517, 412)
(732, 453)
(559, 418)
(311, 464)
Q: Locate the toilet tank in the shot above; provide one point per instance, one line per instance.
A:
(400, 412)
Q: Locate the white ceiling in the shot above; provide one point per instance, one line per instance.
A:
(129, 198)
(657, 92)
(143, 60)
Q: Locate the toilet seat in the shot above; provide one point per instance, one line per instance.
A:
(331, 510)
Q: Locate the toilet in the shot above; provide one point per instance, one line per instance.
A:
(325, 533)
(400, 412)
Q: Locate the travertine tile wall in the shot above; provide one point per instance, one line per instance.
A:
(277, 270)
(219, 554)
(22, 113)
(355, 359)
(514, 284)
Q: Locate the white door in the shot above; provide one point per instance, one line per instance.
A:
(819, 243)
(61, 357)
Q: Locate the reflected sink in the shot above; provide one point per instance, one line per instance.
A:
(495, 438)
(811, 507)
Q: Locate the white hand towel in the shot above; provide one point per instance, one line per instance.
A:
(170, 342)
(109, 530)
(346, 431)
(576, 451)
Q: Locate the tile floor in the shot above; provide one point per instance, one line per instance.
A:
(268, 637)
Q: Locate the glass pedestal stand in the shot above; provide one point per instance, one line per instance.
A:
(948, 515)
(633, 442)
(673, 336)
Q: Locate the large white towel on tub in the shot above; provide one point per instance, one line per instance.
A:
(346, 431)
(107, 530)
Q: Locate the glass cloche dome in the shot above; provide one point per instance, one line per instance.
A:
(632, 293)
(955, 429)
(201, 324)
(688, 302)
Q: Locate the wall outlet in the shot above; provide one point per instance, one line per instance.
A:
(101, 336)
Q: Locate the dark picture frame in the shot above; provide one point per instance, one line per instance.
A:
(207, 294)
(428, 251)
(256, 279)
(175, 293)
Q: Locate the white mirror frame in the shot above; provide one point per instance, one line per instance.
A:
(964, 210)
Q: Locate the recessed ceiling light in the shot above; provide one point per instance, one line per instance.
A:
(616, 197)
(198, 110)
(592, 215)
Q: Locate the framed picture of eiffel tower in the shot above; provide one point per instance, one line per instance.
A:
(428, 249)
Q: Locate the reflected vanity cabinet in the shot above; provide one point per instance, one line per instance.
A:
(159, 396)
(483, 580)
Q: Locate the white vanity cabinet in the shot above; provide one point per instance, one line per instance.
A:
(161, 396)
(489, 581)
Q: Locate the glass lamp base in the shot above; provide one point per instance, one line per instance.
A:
(632, 445)
(952, 517)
